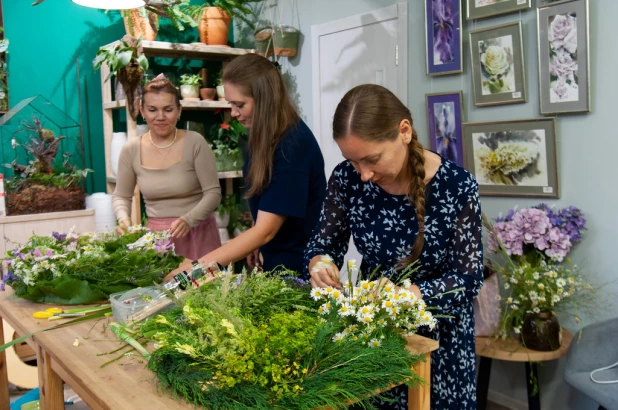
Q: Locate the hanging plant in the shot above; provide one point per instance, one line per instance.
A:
(126, 60)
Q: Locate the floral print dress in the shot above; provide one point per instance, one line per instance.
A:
(384, 227)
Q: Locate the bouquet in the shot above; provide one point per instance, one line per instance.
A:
(77, 269)
(267, 340)
(534, 244)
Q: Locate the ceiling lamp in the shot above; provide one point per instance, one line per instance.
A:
(111, 4)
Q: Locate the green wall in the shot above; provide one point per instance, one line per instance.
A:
(45, 41)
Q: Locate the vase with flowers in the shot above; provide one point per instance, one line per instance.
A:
(532, 245)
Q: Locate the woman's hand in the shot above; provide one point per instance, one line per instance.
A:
(179, 228)
(123, 226)
(323, 274)
(253, 259)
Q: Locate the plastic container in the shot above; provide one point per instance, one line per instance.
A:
(126, 304)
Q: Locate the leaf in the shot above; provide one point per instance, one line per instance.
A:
(143, 62)
(124, 58)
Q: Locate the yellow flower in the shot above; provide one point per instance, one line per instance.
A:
(305, 370)
(185, 349)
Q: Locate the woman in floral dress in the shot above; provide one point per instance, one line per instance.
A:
(387, 185)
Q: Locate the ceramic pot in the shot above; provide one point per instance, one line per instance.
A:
(223, 220)
(190, 91)
(208, 94)
(118, 141)
(214, 26)
(220, 93)
(541, 331)
(137, 25)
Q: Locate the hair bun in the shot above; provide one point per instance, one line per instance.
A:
(160, 77)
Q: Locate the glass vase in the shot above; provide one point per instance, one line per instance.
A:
(541, 331)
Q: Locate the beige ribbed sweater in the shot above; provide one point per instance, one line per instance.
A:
(188, 189)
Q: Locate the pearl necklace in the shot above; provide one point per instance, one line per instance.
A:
(168, 145)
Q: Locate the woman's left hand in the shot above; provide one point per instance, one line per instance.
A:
(179, 228)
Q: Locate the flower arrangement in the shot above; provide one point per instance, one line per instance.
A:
(76, 269)
(536, 272)
(262, 341)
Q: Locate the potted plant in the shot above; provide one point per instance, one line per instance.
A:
(214, 18)
(126, 60)
(190, 86)
(224, 139)
(144, 21)
(41, 186)
(220, 90)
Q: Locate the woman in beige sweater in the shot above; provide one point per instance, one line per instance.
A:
(176, 173)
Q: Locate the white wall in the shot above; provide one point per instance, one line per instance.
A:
(587, 148)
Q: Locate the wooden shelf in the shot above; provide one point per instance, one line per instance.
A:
(187, 105)
(193, 51)
(221, 175)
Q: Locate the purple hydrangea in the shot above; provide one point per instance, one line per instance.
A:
(540, 228)
(60, 237)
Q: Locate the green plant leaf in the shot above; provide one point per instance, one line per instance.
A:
(143, 62)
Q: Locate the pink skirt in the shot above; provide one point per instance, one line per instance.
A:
(202, 239)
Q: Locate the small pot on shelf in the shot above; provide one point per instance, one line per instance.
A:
(208, 94)
(221, 93)
(190, 92)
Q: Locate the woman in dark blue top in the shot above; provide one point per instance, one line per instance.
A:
(284, 170)
(401, 204)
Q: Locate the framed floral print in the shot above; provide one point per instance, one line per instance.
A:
(564, 59)
(478, 9)
(497, 57)
(443, 37)
(513, 158)
(445, 118)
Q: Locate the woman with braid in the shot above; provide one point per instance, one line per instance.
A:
(401, 204)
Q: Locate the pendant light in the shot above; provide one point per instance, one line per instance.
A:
(111, 4)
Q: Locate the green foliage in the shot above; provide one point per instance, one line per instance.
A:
(190, 79)
(119, 55)
(174, 10)
(227, 135)
(72, 269)
(257, 342)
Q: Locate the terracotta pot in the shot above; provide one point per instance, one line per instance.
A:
(146, 27)
(208, 94)
(541, 331)
(214, 26)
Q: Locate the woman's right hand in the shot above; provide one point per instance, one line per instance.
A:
(123, 226)
(323, 274)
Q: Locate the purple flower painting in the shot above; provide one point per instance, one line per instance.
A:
(444, 115)
(443, 23)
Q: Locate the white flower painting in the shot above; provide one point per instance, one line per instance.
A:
(497, 70)
(562, 35)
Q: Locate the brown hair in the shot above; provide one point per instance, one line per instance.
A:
(158, 86)
(273, 113)
(373, 113)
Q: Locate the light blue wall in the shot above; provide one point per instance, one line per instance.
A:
(587, 147)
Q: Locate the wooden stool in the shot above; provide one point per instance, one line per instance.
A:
(511, 350)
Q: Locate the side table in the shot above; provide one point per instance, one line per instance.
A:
(511, 350)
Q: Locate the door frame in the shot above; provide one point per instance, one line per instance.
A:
(397, 11)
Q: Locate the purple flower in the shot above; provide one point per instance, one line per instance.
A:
(163, 245)
(37, 253)
(296, 281)
(60, 237)
(443, 31)
(445, 135)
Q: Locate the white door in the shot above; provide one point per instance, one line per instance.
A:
(361, 49)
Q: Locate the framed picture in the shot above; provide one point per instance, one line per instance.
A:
(564, 57)
(513, 158)
(497, 57)
(443, 37)
(545, 3)
(478, 9)
(445, 118)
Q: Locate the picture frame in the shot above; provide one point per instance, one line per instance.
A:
(515, 158)
(443, 37)
(445, 117)
(564, 59)
(478, 9)
(497, 59)
(545, 3)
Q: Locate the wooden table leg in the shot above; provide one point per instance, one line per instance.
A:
(51, 386)
(532, 379)
(419, 398)
(482, 382)
(4, 376)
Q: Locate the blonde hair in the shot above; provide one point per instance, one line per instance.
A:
(373, 113)
(273, 113)
(158, 86)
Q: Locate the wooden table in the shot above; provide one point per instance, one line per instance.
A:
(489, 348)
(125, 384)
